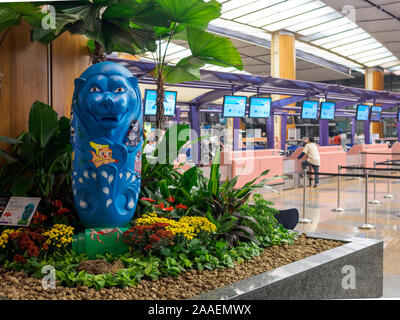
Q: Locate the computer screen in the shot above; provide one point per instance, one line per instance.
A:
(213, 117)
(327, 111)
(234, 107)
(398, 115)
(260, 107)
(376, 114)
(309, 110)
(150, 107)
(362, 112)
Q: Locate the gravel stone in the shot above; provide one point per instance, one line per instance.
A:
(16, 285)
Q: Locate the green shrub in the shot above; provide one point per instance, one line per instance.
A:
(267, 229)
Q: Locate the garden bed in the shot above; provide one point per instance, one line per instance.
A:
(16, 285)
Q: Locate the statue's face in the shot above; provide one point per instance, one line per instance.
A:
(108, 99)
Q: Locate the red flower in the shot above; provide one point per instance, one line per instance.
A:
(154, 238)
(62, 210)
(38, 218)
(181, 206)
(19, 258)
(147, 247)
(171, 199)
(58, 204)
(148, 199)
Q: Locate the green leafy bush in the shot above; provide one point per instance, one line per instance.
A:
(39, 164)
(267, 229)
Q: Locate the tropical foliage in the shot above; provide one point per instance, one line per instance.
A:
(38, 164)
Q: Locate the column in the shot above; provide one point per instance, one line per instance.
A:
(283, 65)
(283, 131)
(236, 129)
(353, 125)
(374, 80)
(195, 127)
(324, 132)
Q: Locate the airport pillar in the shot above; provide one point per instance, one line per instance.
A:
(195, 131)
(374, 80)
(353, 124)
(283, 131)
(236, 129)
(323, 133)
(283, 65)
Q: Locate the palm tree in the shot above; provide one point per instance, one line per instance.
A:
(187, 20)
(134, 27)
(111, 26)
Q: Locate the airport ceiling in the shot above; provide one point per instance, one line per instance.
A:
(335, 39)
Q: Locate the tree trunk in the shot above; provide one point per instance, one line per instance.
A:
(160, 102)
(98, 55)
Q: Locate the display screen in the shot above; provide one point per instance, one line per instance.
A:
(260, 107)
(327, 111)
(309, 110)
(376, 113)
(362, 112)
(150, 106)
(234, 107)
(398, 115)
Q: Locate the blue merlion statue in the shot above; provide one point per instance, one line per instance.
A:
(107, 138)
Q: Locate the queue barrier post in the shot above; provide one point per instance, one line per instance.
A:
(388, 195)
(366, 225)
(304, 219)
(338, 208)
(375, 201)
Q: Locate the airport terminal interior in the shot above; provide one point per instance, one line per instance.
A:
(319, 75)
(321, 46)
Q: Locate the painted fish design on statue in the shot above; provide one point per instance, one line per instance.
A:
(107, 139)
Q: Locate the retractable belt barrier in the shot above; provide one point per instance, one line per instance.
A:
(381, 153)
(366, 175)
(354, 175)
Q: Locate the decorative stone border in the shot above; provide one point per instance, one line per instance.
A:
(351, 271)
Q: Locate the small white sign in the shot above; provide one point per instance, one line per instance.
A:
(19, 211)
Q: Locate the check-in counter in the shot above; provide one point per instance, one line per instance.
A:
(356, 157)
(249, 164)
(331, 157)
(396, 149)
(246, 164)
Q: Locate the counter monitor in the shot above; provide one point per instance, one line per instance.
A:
(234, 107)
(309, 110)
(260, 107)
(150, 106)
(362, 112)
(376, 114)
(327, 111)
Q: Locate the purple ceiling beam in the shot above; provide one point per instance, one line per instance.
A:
(215, 95)
(286, 101)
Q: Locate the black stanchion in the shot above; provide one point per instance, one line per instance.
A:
(338, 208)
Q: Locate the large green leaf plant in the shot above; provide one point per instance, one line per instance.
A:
(188, 21)
(39, 162)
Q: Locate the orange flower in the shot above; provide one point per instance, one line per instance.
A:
(180, 206)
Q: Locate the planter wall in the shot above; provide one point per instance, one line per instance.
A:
(328, 275)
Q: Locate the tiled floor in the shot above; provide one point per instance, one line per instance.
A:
(320, 201)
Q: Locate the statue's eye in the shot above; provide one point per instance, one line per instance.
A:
(94, 89)
(102, 153)
(120, 89)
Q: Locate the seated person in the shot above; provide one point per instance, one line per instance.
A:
(313, 158)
